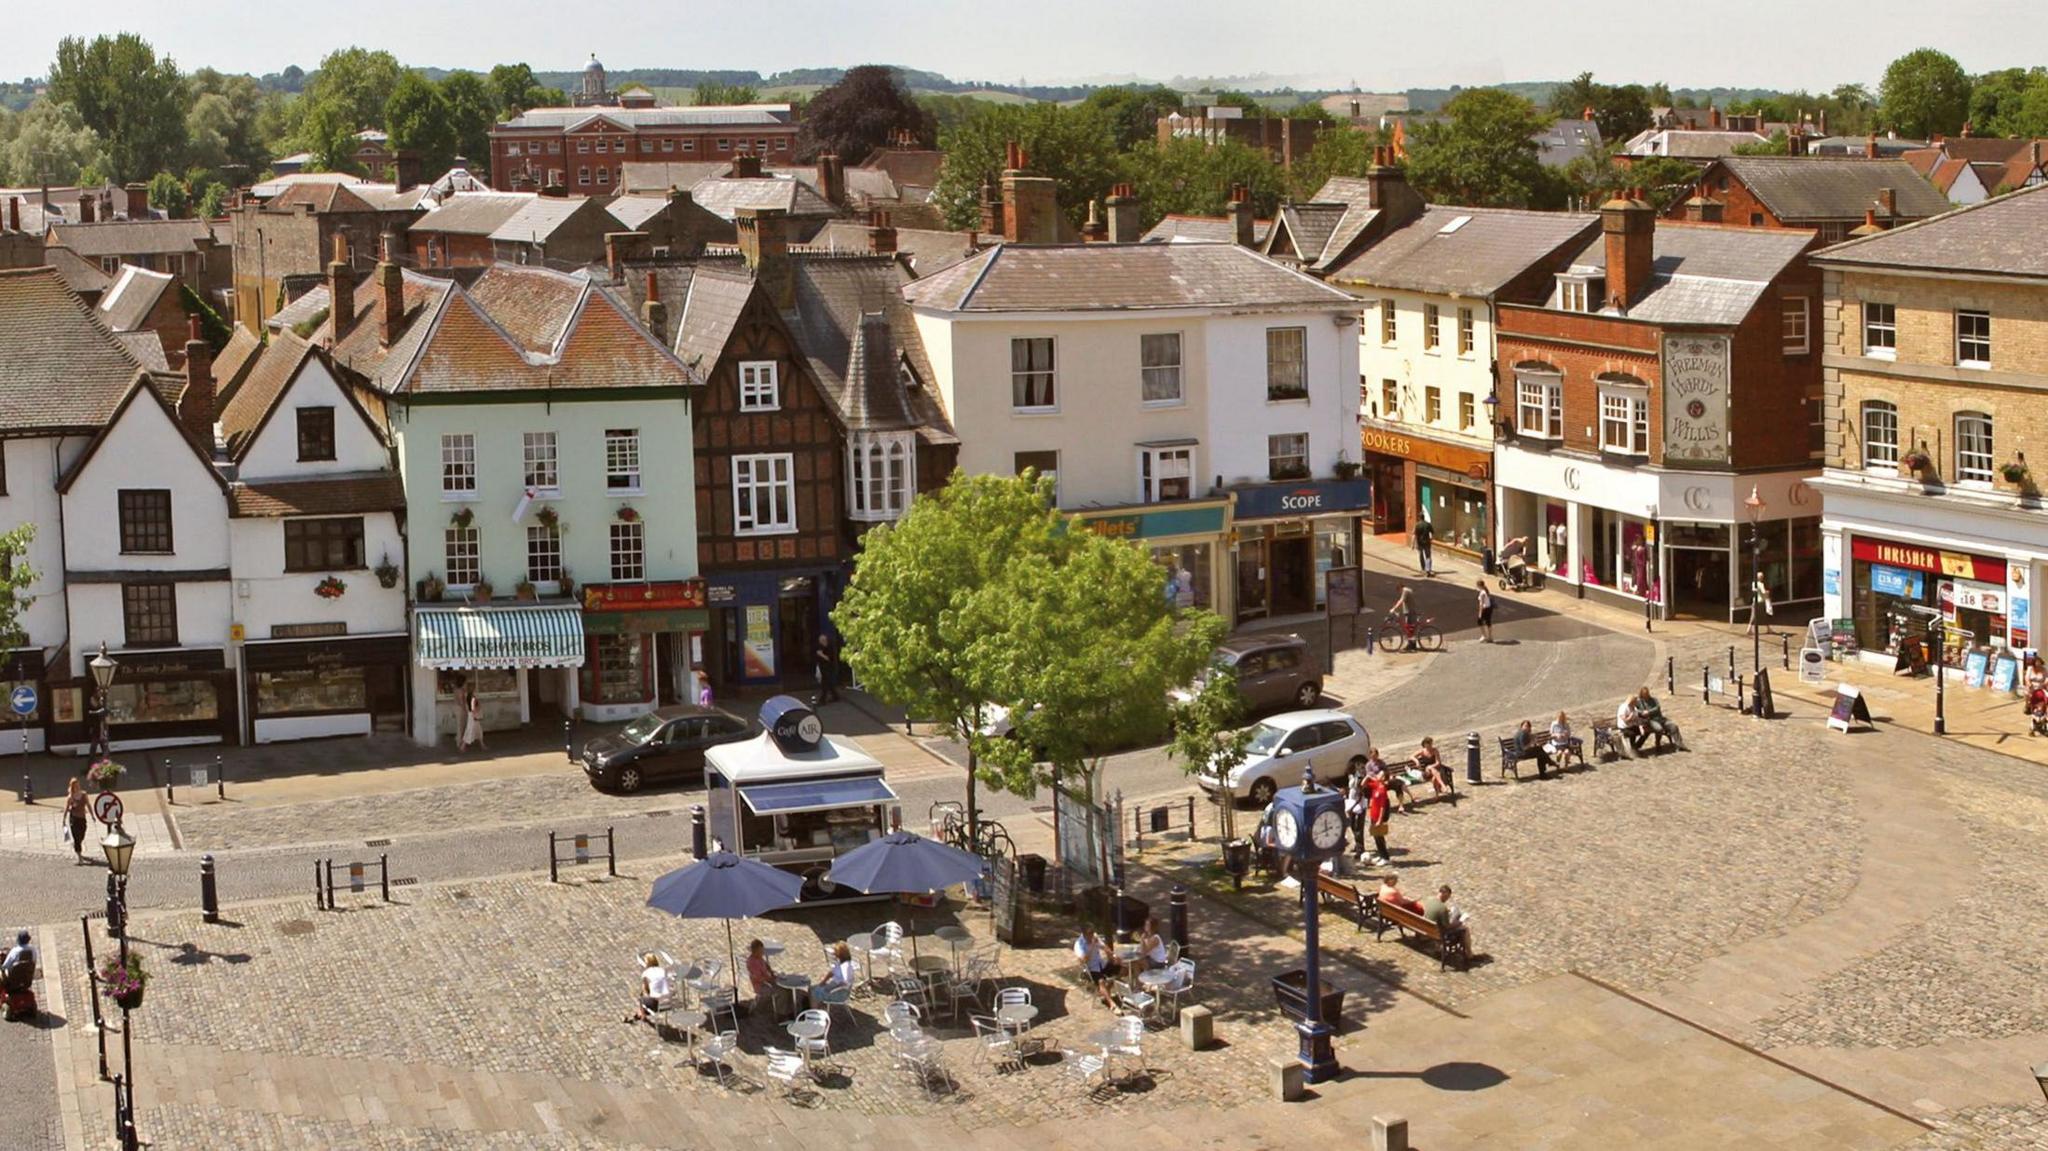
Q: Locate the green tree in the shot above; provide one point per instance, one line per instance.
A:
(711, 94)
(1071, 145)
(1595, 178)
(1133, 113)
(2012, 102)
(349, 93)
(418, 120)
(1924, 92)
(230, 111)
(168, 194)
(51, 144)
(213, 202)
(515, 90)
(132, 98)
(1190, 176)
(1620, 112)
(1338, 152)
(16, 577)
(472, 109)
(1483, 155)
(207, 129)
(1210, 739)
(1778, 145)
(867, 108)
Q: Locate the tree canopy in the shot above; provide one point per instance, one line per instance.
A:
(515, 90)
(862, 112)
(1339, 151)
(50, 142)
(418, 121)
(1483, 155)
(348, 93)
(1924, 92)
(1620, 111)
(16, 577)
(168, 194)
(1133, 113)
(2010, 102)
(1073, 145)
(1194, 177)
(134, 100)
(1594, 178)
(711, 93)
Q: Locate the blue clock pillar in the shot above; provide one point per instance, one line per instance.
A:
(1310, 821)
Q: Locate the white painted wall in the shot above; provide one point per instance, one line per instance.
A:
(33, 467)
(1417, 368)
(1240, 417)
(266, 595)
(275, 452)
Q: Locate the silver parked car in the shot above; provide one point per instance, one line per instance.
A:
(1272, 671)
(1330, 741)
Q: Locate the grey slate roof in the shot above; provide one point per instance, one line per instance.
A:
(661, 175)
(314, 302)
(1689, 145)
(1476, 258)
(678, 117)
(718, 294)
(538, 218)
(856, 330)
(126, 306)
(1120, 278)
(133, 237)
(1704, 274)
(633, 211)
(724, 196)
(1566, 140)
(1311, 225)
(2005, 235)
(473, 214)
(1174, 229)
(80, 275)
(1858, 145)
(60, 368)
(147, 349)
(1802, 188)
(930, 250)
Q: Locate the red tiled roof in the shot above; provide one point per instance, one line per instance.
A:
(329, 495)
(471, 349)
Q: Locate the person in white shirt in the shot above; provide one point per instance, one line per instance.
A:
(1153, 947)
(842, 973)
(1096, 963)
(655, 988)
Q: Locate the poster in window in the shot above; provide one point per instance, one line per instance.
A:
(758, 646)
(1696, 398)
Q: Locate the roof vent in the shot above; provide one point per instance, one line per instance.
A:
(1456, 223)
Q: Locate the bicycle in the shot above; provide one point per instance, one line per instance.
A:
(1423, 634)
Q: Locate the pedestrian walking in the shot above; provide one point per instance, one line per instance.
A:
(1485, 612)
(472, 724)
(1424, 536)
(74, 817)
(828, 670)
(1377, 808)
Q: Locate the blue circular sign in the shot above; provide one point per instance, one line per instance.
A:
(22, 699)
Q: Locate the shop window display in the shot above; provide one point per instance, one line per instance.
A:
(1187, 574)
(310, 691)
(168, 701)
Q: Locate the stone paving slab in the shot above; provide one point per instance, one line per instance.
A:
(40, 831)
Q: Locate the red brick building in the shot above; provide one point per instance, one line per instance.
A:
(1830, 194)
(1671, 370)
(585, 149)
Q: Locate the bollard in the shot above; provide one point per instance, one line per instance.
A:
(1731, 661)
(1670, 675)
(554, 868)
(1472, 758)
(1389, 1133)
(611, 854)
(568, 751)
(170, 785)
(1785, 651)
(1372, 636)
(384, 877)
(28, 789)
(1706, 685)
(220, 777)
(697, 832)
(319, 891)
(1177, 915)
(209, 893)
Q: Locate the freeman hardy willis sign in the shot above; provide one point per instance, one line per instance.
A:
(1696, 398)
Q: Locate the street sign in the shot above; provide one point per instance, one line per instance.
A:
(106, 807)
(23, 699)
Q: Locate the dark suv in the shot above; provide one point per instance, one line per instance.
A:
(1273, 671)
(665, 744)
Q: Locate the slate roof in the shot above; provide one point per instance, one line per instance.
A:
(1311, 225)
(1801, 188)
(724, 196)
(660, 176)
(132, 237)
(929, 250)
(856, 329)
(1476, 258)
(1566, 140)
(2005, 235)
(537, 220)
(233, 362)
(1691, 145)
(80, 275)
(126, 306)
(146, 347)
(686, 116)
(632, 211)
(473, 214)
(1180, 229)
(60, 368)
(918, 167)
(267, 380)
(1707, 274)
(1859, 145)
(718, 294)
(1119, 277)
(327, 495)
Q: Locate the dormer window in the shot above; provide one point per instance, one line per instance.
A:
(880, 466)
(1580, 291)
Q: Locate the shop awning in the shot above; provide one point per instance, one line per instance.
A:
(499, 637)
(815, 795)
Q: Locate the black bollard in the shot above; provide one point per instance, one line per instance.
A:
(28, 790)
(1785, 651)
(568, 750)
(697, 843)
(1670, 675)
(1471, 759)
(209, 894)
(1177, 915)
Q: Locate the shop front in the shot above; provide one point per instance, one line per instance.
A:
(518, 659)
(1896, 587)
(326, 686)
(644, 641)
(158, 699)
(19, 731)
(1185, 539)
(764, 625)
(1286, 535)
(1446, 483)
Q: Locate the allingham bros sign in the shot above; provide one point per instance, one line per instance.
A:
(1696, 399)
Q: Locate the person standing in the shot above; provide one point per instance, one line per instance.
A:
(1424, 536)
(1485, 612)
(1376, 812)
(828, 670)
(74, 817)
(472, 724)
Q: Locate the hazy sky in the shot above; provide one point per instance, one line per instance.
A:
(1762, 43)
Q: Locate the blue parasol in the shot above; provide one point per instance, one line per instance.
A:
(905, 862)
(725, 886)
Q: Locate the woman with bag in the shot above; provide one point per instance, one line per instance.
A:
(1354, 811)
(472, 724)
(1376, 812)
(74, 817)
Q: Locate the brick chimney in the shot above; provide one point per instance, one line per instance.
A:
(1869, 227)
(1795, 144)
(653, 312)
(1093, 230)
(138, 201)
(405, 170)
(1714, 117)
(1890, 199)
(832, 179)
(1870, 146)
(1122, 209)
(195, 405)
(14, 214)
(1387, 184)
(764, 245)
(1239, 209)
(341, 289)
(1031, 204)
(1966, 129)
(747, 166)
(991, 212)
(391, 282)
(881, 233)
(85, 207)
(1630, 228)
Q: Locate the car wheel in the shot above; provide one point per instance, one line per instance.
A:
(1308, 694)
(629, 780)
(1263, 792)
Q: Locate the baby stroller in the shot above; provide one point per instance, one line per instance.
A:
(1514, 573)
(2037, 712)
(17, 981)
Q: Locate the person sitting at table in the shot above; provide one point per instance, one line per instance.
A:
(1097, 964)
(842, 973)
(760, 974)
(1390, 892)
(1431, 763)
(655, 986)
(1151, 947)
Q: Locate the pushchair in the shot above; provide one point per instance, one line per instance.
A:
(2037, 712)
(1514, 573)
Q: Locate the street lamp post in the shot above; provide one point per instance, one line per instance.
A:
(119, 847)
(1755, 504)
(103, 668)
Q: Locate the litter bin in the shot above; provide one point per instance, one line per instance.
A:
(1486, 561)
(1033, 867)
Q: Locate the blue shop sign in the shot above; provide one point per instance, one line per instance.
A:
(1897, 581)
(1155, 524)
(1302, 498)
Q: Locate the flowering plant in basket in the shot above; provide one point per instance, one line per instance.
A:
(123, 982)
(330, 588)
(104, 772)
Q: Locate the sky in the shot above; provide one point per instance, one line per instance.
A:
(1813, 44)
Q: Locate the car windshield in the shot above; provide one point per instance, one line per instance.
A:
(641, 730)
(1266, 738)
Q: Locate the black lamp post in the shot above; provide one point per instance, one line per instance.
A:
(103, 668)
(119, 847)
(1755, 504)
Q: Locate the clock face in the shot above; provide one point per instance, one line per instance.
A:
(1285, 830)
(1328, 829)
(809, 729)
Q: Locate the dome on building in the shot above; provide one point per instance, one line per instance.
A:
(593, 77)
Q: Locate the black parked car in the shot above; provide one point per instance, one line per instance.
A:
(664, 745)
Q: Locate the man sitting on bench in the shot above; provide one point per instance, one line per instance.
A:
(1642, 718)
(1448, 917)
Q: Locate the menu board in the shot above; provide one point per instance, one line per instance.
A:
(1842, 637)
(2005, 673)
(1973, 668)
(1003, 898)
(1849, 708)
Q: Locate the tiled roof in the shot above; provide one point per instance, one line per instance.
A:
(718, 294)
(532, 304)
(323, 198)
(855, 329)
(1178, 229)
(632, 211)
(660, 176)
(930, 250)
(328, 495)
(473, 214)
(233, 362)
(133, 237)
(362, 350)
(1984, 149)
(266, 381)
(918, 167)
(1119, 277)
(1695, 145)
(307, 306)
(1474, 258)
(59, 366)
(126, 306)
(1707, 274)
(1923, 160)
(699, 115)
(1802, 188)
(724, 196)
(2005, 235)
(147, 348)
(536, 220)
(80, 275)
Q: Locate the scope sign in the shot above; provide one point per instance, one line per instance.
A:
(22, 699)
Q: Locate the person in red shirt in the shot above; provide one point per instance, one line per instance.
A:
(1377, 806)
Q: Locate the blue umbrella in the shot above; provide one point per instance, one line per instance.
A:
(725, 886)
(906, 862)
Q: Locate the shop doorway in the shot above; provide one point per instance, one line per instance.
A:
(1389, 497)
(1251, 578)
(1699, 584)
(385, 685)
(797, 638)
(1294, 575)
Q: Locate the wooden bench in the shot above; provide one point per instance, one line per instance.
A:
(1511, 760)
(1332, 889)
(1405, 766)
(1392, 917)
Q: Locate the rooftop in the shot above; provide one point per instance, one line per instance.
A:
(133, 237)
(690, 116)
(60, 368)
(1707, 274)
(126, 306)
(1120, 278)
(1802, 188)
(1463, 251)
(2003, 236)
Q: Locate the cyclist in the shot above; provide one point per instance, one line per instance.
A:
(1404, 610)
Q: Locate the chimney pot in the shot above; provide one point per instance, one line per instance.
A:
(14, 213)
(765, 248)
(341, 289)
(1870, 147)
(1630, 230)
(391, 282)
(654, 313)
(85, 207)
(195, 405)
(1123, 215)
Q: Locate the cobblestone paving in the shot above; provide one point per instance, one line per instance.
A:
(184, 1125)
(1979, 1128)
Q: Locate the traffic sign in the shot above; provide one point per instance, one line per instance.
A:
(23, 699)
(106, 807)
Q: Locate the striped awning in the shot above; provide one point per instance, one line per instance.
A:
(499, 637)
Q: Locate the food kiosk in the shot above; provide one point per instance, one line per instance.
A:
(795, 797)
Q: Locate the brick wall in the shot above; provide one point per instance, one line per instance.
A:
(443, 250)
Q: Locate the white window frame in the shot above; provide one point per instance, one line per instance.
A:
(1390, 324)
(622, 461)
(1798, 325)
(458, 466)
(543, 554)
(465, 544)
(1976, 456)
(629, 550)
(1390, 399)
(1880, 330)
(1150, 373)
(1467, 332)
(1294, 332)
(1053, 471)
(1624, 418)
(1274, 454)
(1973, 342)
(760, 386)
(1880, 452)
(1540, 393)
(1027, 377)
(541, 462)
(881, 470)
(1432, 336)
(1468, 411)
(1432, 404)
(1160, 466)
(772, 475)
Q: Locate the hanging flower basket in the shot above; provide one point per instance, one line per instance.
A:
(104, 774)
(627, 515)
(2015, 473)
(124, 983)
(330, 588)
(548, 517)
(387, 572)
(463, 517)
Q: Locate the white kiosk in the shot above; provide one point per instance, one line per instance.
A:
(795, 797)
